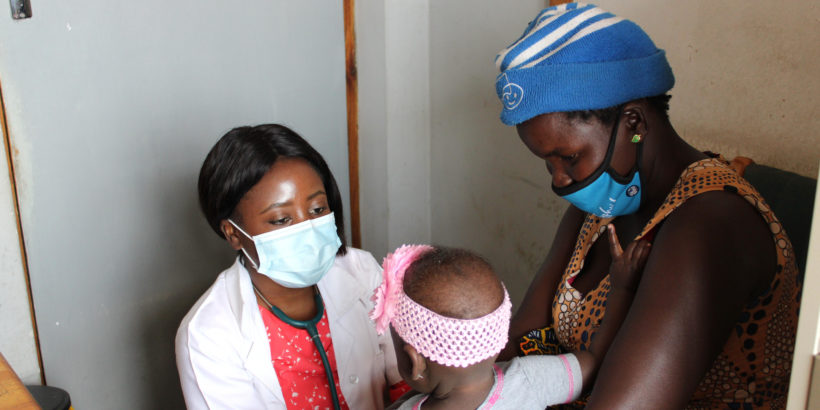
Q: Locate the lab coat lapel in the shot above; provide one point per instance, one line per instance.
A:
(257, 359)
(341, 291)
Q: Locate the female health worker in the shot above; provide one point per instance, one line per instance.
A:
(291, 313)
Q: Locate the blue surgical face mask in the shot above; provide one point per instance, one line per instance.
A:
(297, 256)
(605, 193)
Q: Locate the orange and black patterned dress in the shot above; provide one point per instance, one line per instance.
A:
(753, 368)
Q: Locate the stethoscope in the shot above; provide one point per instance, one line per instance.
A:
(310, 326)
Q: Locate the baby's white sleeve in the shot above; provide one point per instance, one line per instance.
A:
(555, 378)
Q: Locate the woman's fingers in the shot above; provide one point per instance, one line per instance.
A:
(614, 245)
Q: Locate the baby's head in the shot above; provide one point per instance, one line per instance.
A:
(448, 311)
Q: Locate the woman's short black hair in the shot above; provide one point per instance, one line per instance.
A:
(242, 157)
(606, 116)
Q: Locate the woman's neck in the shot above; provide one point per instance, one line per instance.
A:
(466, 392)
(668, 156)
(296, 303)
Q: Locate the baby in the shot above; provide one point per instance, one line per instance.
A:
(449, 315)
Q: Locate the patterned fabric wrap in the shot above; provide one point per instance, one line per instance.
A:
(444, 340)
(450, 341)
(540, 341)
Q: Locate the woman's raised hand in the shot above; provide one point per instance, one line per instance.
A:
(627, 265)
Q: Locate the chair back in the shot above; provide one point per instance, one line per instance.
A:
(791, 197)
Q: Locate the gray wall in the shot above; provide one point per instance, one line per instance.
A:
(394, 123)
(488, 192)
(746, 86)
(436, 163)
(746, 75)
(112, 107)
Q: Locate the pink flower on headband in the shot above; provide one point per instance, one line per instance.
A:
(386, 296)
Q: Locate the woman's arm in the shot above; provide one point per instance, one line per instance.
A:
(535, 309)
(711, 256)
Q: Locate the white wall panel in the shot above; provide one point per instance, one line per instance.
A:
(112, 107)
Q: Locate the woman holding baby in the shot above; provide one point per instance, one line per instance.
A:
(714, 316)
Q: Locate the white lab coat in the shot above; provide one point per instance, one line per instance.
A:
(223, 353)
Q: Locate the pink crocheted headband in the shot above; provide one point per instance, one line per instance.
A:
(445, 340)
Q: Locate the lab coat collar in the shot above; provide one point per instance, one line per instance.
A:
(340, 290)
(257, 358)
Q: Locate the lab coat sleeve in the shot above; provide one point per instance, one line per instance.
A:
(385, 341)
(391, 370)
(211, 371)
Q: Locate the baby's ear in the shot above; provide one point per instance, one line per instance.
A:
(417, 361)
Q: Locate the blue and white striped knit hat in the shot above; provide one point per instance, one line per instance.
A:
(575, 57)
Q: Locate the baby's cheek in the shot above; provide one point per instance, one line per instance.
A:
(420, 386)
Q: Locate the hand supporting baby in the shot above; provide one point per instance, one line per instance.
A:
(625, 273)
(627, 265)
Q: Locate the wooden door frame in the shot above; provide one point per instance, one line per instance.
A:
(352, 93)
(23, 255)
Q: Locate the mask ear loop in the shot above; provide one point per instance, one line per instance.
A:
(605, 164)
(641, 176)
(247, 256)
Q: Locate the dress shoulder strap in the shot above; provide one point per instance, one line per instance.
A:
(707, 175)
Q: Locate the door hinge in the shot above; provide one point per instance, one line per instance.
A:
(20, 9)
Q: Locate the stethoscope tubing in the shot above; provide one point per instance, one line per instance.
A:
(313, 332)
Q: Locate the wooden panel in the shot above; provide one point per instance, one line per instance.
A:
(804, 385)
(13, 394)
(7, 145)
(351, 77)
(814, 389)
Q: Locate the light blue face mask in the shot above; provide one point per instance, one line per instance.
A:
(297, 256)
(605, 193)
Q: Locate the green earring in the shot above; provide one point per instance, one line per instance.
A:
(636, 138)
